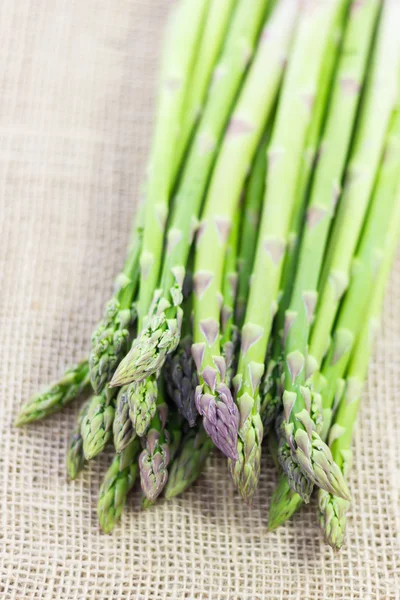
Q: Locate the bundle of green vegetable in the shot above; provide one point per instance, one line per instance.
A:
(258, 264)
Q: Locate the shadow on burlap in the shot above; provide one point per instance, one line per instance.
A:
(77, 83)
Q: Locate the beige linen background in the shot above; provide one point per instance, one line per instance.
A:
(77, 84)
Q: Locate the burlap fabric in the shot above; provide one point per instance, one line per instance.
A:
(77, 83)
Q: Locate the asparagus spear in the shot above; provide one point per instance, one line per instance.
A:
(249, 229)
(110, 339)
(376, 110)
(329, 172)
(96, 427)
(189, 21)
(118, 481)
(288, 139)
(75, 456)
(189, 462)
(74, 382)
(229, 332)
(212, 40)
(213, 398)
(154, 459)
(332, 510)
(161, 334)
(181, 378)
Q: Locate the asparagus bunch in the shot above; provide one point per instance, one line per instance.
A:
(270, 109)
(161, 334)
(303, 452)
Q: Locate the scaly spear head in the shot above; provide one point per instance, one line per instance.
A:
(332, 518)
(153, 463)
(141, 398)
(96, 428)
(158, 339)
(113, 493)
(220, 418)
(109, 343)
(246, 469)
(297, 480)
(181, 380)
(315, 459)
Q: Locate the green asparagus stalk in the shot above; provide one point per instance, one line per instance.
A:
(212, 40)
(379, 101)
(284, 159)
(74, 382)
(154, 459)
(189, 462)
(162, 331)
(75, 456)
(110, 339)
(249, 229)
(336, 141)
(187, 29)
(96, 427)
(254, 106)
(175, 430)
(118, 481)
(229, 332)
(332, 510)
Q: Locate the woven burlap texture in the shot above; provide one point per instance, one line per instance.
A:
(77, 85)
